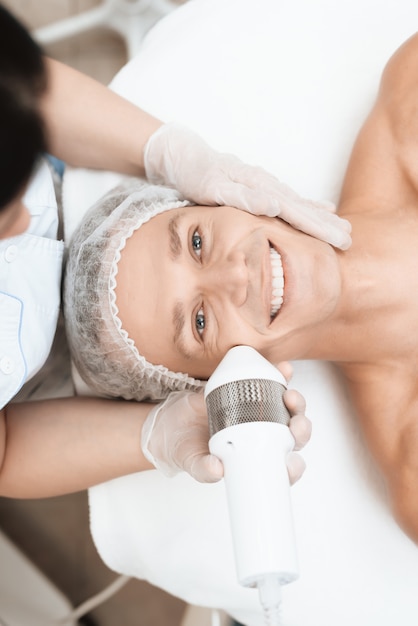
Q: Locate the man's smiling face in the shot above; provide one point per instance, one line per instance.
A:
(195, 281)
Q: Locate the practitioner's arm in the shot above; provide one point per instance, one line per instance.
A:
(63, 445)
(88, 125)
(58, 446)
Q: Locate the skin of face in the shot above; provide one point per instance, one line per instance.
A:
(196, 281)
(14, 219)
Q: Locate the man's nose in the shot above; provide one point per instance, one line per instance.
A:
(229, 277)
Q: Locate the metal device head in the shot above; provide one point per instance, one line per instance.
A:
(248, 400)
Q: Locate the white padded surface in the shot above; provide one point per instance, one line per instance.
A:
(285, 85)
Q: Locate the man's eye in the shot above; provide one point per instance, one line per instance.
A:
(200, 322)
(197, 243)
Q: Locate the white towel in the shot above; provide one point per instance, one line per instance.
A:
(356, 566)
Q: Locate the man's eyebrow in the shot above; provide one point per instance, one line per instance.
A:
(179, 324)
(175, 242)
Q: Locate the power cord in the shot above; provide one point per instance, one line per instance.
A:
(90, 604)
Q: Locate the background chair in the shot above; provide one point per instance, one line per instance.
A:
(130, 18)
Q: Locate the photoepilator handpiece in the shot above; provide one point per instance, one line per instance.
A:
(248, 425)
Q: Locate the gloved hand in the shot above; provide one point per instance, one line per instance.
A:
(177, 157)
(175, 436)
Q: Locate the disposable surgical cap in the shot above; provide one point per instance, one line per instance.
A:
(105, 356)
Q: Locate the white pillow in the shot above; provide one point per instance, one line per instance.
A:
(284, 85)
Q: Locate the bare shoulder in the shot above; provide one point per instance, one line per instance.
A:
(381, 397)
(399, 90)
(401, 66)
(386, 401)
(403, 482)
(382, 167)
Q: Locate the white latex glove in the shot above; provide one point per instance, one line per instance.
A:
(175, 437)
(177, 157)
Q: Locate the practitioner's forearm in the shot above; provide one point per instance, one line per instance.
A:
(66, 445)
(88, 125)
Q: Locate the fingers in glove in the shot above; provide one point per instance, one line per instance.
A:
(300, 426)
(193, 448)
(197, 403)
(295, 402)
(262, 183)
(295, 466)
(285, 368)
(205, 468)
(304, 215)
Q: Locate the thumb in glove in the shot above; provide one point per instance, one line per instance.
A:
(175, 438)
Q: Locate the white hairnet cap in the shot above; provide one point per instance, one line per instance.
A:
(105, 356)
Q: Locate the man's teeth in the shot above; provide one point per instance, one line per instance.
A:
(277, 282)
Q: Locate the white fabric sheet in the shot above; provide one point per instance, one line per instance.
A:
(284, 85)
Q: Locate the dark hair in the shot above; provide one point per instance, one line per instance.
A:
(22, 81)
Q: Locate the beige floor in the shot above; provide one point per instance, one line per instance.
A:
(54, 532)
(98, 53)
